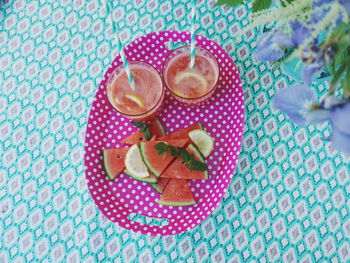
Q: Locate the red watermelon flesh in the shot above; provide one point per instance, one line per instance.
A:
(177, 193)
(156, 129)
(160, 185)
(113, 160)
(178, 170)
(180, 134)
(157, 164)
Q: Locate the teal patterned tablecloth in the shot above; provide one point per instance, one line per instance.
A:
(289, 200)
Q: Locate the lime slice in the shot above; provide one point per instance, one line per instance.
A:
(136, 99)
(134, 163)
(203, 141)
(190, 80)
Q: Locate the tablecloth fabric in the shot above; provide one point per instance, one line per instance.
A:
(289, 200)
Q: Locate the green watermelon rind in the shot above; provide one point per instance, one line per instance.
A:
(109, 174)
(144, 180)
(145, 160)
(177, 203)
(156, 188)
(200, 157)
(160, 125)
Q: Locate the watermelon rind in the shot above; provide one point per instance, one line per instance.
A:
(150, 180)
(144, 158)
(160, 125)
(177, 203)
(155, 187)
(109, 174)
(200, 157)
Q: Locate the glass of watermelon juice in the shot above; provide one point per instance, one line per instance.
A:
(191, 86)
(143, 103)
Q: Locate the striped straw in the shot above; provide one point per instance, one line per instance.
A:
(193, 36)
(119, 45)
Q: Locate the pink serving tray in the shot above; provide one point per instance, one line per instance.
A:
(222, 116)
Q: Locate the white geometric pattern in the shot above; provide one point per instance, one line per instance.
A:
(288, 201)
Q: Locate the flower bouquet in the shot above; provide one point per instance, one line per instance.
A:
(314, 37)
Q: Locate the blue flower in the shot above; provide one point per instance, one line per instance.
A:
(271, 45)
(300, 33)
(346, 4)
(315, 59)
(297, 101)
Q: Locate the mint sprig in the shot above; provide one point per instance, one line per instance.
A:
(144, 128)
(187, 158)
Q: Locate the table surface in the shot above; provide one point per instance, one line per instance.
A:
(288, 201)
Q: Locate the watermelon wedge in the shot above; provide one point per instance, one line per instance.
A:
(151, 179)
(157, 164)
(160, 185)
(182, 133)
(177, 193)
(156, 129)
(113, 160)
(181, 171)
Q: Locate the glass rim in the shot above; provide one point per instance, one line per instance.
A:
(196, 98)
(158, 101)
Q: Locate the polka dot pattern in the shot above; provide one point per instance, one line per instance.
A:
(222, 116)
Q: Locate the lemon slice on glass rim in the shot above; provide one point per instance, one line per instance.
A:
(193, 76)
(133, 97)
(203, 141)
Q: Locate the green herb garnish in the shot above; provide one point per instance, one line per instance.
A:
(187, 158)
(144, 128)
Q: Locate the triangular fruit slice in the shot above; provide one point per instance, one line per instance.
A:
(113, 160)
(180, 134)
(177, 193)
(156, 129)
(182, 171)
(160, 185)
(151, 179)
(157, 164)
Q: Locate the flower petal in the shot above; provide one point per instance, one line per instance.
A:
(317, 116)
(292, 100)
(309, 71)
(268, 54)
(340, 140)
(341, 119)
(300, 33)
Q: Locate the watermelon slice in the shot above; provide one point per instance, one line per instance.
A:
(157, 164)
(151, 179)
(181, 171)
(182, 133)
(113, 160)
(160, 185)
(156, 129)
(177, 193)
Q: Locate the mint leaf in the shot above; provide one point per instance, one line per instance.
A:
(187, 158)
(259, 5)
(184, 154)
(147, 134)
(198, 166)
(137, 124)
(232, 3)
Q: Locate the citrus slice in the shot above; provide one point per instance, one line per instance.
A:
(188, 82)
(203, 141)
(134, 163)
(135, 99)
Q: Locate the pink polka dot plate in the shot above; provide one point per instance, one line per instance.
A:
(222, 117)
